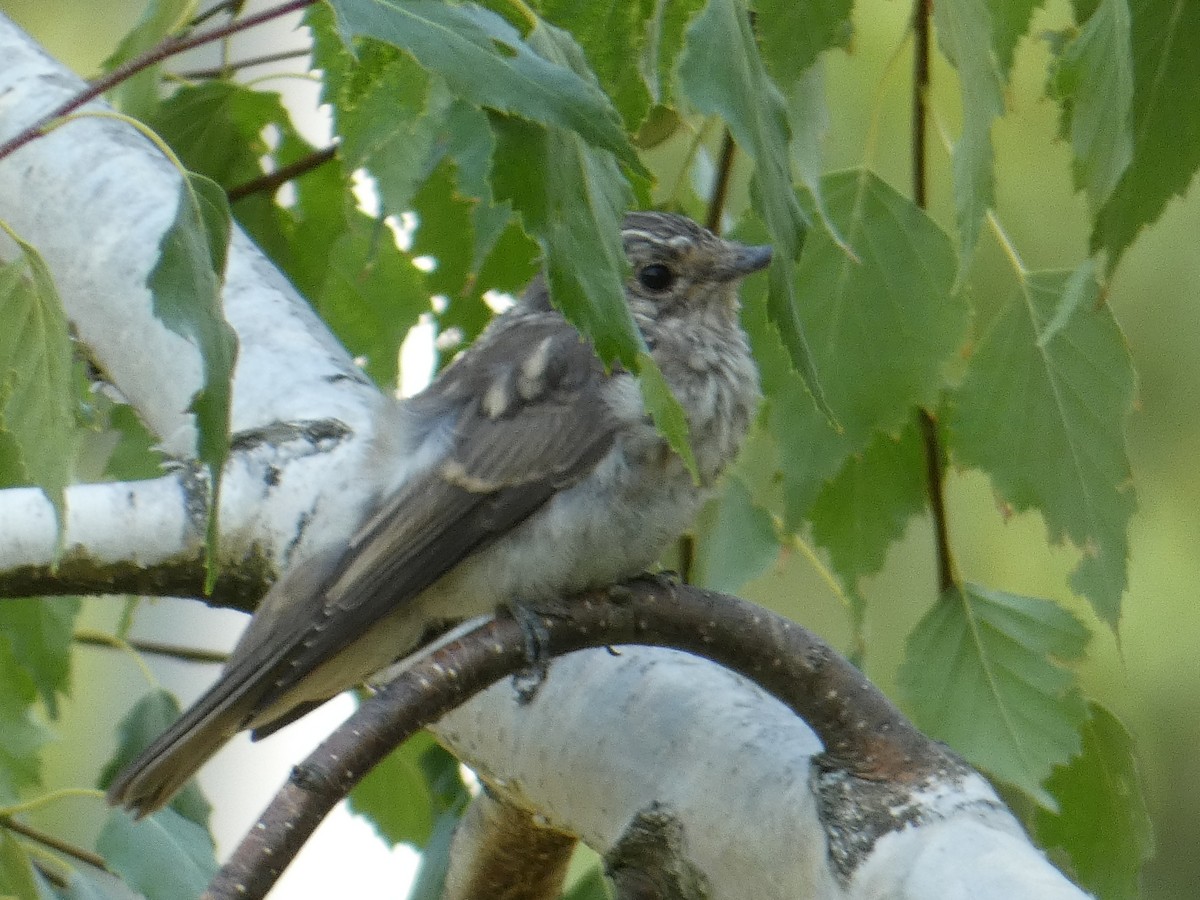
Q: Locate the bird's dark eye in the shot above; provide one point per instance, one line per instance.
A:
(656, 277)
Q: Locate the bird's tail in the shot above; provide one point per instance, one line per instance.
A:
(147, 783)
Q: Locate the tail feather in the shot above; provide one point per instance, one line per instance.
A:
(237, 698)
(147, 783)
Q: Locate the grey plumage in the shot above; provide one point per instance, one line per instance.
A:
(524, 472)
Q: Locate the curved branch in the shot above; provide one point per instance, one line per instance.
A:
(865, 736)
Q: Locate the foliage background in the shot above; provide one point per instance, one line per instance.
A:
(1152, 677)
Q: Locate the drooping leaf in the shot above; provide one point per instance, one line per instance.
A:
(137, 96)
(372, 294)
(39, 629)
(1102, 823)
(735, 539)
(613, 34)
(16, 869)
(1010, 21)
(148, 718)
(1093, 79)
(883, 329)
(666, 411)
(186, 287)
(741, 92)
(430, 880)
(868, 504)
(485, 61)
(571, 199)
(163, 856)
(217, 128)
(405, 794)
(981, 673)
(964, 30)
(21, 737)
(388, 121)
(36, 392)
(1042, 410)
(664, 43)
(793, 33)
(1166, 121)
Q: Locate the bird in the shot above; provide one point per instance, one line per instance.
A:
(526, 471)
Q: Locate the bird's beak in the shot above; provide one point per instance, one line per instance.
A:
(743, 260)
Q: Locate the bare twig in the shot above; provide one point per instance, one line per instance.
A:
(154, 648)
(153, 56)
(865, 736)
(54, 843)
(231, 67)
(929, 434)
(273, 180)
(720, 193)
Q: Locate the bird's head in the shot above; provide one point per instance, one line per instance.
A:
(678, 266)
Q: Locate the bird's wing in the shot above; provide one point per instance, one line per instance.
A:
(531, 421)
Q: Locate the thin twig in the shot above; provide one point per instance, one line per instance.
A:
(54, 843)
(686, 547)
(720, 193)
(230, 68)
(934, 470)
(265, 184)
(233, 7)
(153, 56)
(154, 648)
(920, 98)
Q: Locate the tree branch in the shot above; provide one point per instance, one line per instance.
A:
(865, 736)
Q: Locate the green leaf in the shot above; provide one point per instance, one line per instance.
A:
(1093, 80)
(739, 90)
(1166, 121)
(793, 33)
(37, 422)
(666, 411)
(163, 856)
(883, 328)
(1103, 824)
(735, 539)
(138, 95)
(965, 34)
(404, 795)
(186, 286)
(1010, 21)
(372, 294)
(217, 129)
(40, 629)
(980, 673)
(430, 880)
(134, 456)
(866, 507)
(1042, 410)
(591, 886)
(484, 60)
(612, 33)
(148, 719)
(21, 738)
(664, 42)
(572, 198)
(388, 122)
(16, 869)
